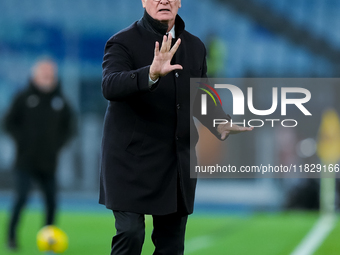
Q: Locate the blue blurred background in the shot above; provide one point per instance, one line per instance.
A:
(253, 38)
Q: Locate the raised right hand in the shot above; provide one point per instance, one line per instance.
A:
(161, 65)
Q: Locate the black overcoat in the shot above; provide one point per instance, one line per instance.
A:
(146, 138)
(40, 124)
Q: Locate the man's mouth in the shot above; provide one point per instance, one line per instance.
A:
(164, 10)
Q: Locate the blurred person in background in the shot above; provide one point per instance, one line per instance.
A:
(145, 161)
(39, 121)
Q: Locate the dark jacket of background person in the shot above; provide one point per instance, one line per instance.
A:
(146, 139)
(40, 124)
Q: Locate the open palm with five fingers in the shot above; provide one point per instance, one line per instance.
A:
(161, 64)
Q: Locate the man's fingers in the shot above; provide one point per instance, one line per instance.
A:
(156, 48)
(164, 44)
(227, 129)
(164, 54)
(237, 128)
(224, 135)
(169, 42)
(246, 129)
(175, 47)
(176, 67)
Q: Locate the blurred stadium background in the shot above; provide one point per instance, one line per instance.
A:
(244, 38)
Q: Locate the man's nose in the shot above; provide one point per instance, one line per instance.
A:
(164, 2)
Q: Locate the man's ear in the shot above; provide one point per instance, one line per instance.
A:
(180, 4)
(143, 2)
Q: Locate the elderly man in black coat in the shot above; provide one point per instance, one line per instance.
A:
(146, 140)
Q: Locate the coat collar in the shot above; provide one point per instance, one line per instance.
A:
(33, 89)
(159, 28)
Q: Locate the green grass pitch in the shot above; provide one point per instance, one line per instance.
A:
(258, 234)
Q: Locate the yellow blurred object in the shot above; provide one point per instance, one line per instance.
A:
(329, 138)
(52, 239)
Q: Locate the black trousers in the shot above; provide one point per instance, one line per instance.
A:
(23, 183)
(167, 236)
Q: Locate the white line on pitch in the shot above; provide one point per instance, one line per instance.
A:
(316, 236)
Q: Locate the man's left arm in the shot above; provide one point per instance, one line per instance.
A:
(67, 124)
(215, 111)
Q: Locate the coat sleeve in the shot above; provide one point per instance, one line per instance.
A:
(213, 111)
(13, 119)
(67, 125)
(120, 79)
